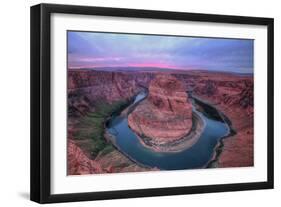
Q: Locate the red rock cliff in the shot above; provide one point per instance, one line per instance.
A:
(86, 86)
(166, 114)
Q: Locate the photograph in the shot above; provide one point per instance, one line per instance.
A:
(129, 103)
(153, 102)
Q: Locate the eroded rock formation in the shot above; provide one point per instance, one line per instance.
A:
(78, 163)
(166, 114)
(86, 86)
(231, 94)
(233, 97)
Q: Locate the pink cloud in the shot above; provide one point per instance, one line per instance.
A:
(99, 59)
(158, 65)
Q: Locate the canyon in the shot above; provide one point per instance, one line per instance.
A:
(88, 90)
(166, 114)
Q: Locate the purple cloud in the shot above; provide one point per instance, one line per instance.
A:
(95, 49)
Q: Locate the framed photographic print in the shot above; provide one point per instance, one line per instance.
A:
(132, 103)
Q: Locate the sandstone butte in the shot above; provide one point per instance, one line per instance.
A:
(166, 114)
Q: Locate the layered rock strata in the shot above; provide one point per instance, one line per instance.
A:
(233, 97)
(86, 87)
(166, 114)
(79, 163)
(231, 94)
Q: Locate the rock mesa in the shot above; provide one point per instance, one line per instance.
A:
(166, 114)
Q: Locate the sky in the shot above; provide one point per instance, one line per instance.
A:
(92, 49)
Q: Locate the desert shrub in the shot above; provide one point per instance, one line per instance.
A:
(91, 127)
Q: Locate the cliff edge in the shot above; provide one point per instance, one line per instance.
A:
(166, 114)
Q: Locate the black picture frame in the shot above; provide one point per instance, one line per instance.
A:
(41, 99)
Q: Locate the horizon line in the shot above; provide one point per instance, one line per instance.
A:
(168, 68)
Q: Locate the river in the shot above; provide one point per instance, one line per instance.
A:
(194, 157)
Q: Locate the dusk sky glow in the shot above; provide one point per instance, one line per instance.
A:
(90, 50)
